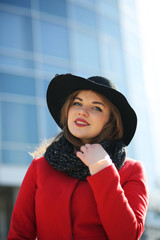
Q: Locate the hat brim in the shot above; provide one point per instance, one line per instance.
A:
(62, 86)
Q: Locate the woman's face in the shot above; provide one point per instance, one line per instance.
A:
(87, 115)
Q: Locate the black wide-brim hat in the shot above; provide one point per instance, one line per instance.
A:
(61, 86)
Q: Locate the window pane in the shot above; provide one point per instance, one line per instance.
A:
(129, 3)
(21, 3)
(82, 15)
(134, 74)
(109, 10)
(51, 126)
(91, 2)
(52, 70)
(54, 7)
(48, 127)
(45, 86)
(17, 84)
(15, 157)
(16, 31)
(85, 50)
(111, 57)
(54, 40)
(110, 27)
(17, 62)
(131, 40)
(19, 122)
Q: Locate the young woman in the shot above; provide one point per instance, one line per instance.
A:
(84, 187)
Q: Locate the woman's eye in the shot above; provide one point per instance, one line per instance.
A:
(76, 104)
(98, 109)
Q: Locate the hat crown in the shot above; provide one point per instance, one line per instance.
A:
(103, 81)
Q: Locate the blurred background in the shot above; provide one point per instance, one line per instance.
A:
(118, 39)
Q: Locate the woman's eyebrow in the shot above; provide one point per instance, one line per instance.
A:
(99, 103)
(79, 98)
(95, 102)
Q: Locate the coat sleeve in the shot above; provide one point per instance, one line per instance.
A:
(122, 208)
(23, 224)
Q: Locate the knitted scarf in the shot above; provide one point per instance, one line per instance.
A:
(60, 154)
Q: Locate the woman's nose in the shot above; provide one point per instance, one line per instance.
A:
(83, 111)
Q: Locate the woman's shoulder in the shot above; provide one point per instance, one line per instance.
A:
(133, 168)
(40, 163)
(43, 170)
(130, 163)
(39, 160)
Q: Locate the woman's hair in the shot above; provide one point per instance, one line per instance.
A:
(112, 130)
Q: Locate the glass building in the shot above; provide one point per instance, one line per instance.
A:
(39, 39)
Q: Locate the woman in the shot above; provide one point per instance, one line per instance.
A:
(84, 187)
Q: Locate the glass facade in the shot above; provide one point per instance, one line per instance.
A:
(42, 38)
(17, 33)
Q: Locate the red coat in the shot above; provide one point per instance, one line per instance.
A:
(53, 206)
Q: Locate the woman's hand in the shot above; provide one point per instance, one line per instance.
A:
(95, 157)
(93, 153)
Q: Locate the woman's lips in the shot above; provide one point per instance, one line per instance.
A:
(81, 122)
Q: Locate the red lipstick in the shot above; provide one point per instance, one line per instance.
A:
(81, 122)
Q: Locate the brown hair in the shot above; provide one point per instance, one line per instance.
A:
(112, 130)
